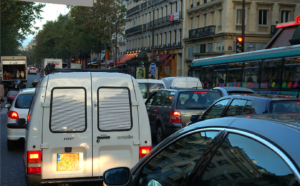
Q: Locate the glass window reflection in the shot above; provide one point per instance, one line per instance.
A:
(173, 166)
(271, 73)
(291, 73)
(245, 161)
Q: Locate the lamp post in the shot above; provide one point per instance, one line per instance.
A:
(243, 24)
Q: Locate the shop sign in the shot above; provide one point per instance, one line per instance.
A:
(174, 17)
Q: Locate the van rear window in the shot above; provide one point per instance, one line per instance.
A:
(285, 106)
(68, 110)
(23, 101)
(196, 99)
(114, 109)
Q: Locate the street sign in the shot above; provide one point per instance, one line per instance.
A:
(152, 68)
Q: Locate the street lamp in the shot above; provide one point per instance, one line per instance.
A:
(153, 29)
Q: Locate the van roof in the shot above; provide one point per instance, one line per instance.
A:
(27, 90)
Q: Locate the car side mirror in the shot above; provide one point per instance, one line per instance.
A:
(194, 118)
(8, 105)
(117, 176)
(21, 121)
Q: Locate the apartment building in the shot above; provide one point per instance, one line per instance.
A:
(213, 25)
(168, 26)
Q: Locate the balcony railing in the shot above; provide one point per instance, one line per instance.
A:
(134, 9)
(273, 29)
(205, 31)
(158, 22)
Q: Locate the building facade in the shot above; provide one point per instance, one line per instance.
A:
(168, 32)
(212, 26)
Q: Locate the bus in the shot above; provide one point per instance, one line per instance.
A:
(268, 71)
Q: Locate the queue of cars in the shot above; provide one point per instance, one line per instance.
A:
(81, 126)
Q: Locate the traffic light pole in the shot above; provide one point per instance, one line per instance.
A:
(243, 24)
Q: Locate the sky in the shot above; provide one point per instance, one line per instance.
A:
(51, 12)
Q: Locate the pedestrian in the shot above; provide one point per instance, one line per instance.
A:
(2, 93)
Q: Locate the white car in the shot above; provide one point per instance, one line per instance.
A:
(148, 86)
(182, 82)
(32, 70)
(19, 109)
(83, 123)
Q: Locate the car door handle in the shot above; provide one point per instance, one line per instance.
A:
(102, 137)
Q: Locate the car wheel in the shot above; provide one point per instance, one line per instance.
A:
(11, 145)
(159, 134)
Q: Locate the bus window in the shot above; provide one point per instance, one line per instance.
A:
(251, 74)
(291, 75)
(219, 76)
(205, 76)
(234, 75)
(270, 73)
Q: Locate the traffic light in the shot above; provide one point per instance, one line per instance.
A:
(73, 59)
(240, 44)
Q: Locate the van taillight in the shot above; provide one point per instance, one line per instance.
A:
(144, 151)
(13, 115)
(28, 117)
(175, 117)
(34, 160)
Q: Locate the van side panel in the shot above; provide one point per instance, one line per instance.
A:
(67, 127)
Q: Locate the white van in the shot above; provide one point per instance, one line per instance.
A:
(83, 123)
(182, 82)
(148, 86)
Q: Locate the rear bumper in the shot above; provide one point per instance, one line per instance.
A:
(15, 132)
(35, 180)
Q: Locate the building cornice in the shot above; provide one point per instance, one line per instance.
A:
(218, 4)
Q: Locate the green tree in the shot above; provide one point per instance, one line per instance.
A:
(17, 19)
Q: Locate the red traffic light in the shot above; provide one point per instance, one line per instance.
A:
(240, 39)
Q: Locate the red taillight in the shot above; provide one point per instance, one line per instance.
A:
(298, 103)
(248, 116)
(11, 97)
(144, 151)
(28, 118)
(200, 92)
(34, 160)
(13, 115)
(175, 117)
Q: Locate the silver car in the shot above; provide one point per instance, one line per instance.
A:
(170, 109)
(226, 91)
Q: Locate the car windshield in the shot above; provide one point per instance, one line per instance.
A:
(240, 93)
(285, 106)
(154, 87)
(32, 68)
(196, 99)
(23, 101)
(143, 88)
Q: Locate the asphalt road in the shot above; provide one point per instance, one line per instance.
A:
(12, 170)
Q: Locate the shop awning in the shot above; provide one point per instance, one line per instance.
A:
(167, 60)
(163, 57)
(126, 57)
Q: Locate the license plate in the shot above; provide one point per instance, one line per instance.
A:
(68, 162)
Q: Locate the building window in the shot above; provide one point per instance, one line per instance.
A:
(210, 47)
(165, 37)
(204, 20)
(191, 52)
(192, 26)
(201, 48)
(263, 17)
(160, 39)
(211, 19)
(285, 16)
(175, 37)
(220, 17)
(239, 15)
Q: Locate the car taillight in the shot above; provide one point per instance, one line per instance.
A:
(34, 160)
(28, 118)
(175, 117)
(13, 115)
(298, 103)
(144, 151)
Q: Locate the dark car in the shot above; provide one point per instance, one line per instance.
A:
(170, 109)
(243, 150)
(250, 104)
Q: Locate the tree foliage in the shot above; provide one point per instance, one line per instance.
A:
(17, 19)
(82, 32)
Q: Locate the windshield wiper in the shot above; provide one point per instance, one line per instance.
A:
(195, 107)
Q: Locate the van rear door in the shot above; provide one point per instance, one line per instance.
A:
(67, 127)
(115, 122)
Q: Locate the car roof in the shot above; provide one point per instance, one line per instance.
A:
(27, 91)
(149, 81)
(189, 89)
(235, 89)
(267, 96)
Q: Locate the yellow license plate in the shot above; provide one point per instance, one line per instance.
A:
(68, 162)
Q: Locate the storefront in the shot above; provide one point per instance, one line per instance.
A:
(142, 68)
